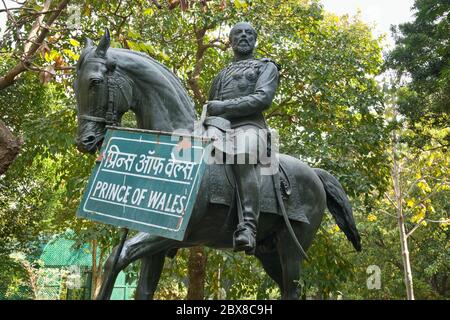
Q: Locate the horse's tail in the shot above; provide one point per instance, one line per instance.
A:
(340, 207)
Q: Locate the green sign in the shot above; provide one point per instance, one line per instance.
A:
(146, 181)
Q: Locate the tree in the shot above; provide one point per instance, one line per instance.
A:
(9, 147)
(26, 45)
(35, 40)
(422, 58)
(422, 55)
(327, 111)
(416, 197)
(407, 227)
(29, 44)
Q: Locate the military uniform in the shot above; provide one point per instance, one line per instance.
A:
(247, 88)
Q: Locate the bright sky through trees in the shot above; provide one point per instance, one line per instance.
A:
(380, 13)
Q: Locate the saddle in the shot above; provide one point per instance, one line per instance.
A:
(221, 180)
(222, 191)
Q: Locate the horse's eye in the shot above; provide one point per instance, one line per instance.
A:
(95, 82)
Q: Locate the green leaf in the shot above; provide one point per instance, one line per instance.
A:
(240, 4)
(74, 42)
(148, 12)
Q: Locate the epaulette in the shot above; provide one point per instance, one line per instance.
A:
(271, 60)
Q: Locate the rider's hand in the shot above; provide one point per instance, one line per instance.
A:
(216, 107)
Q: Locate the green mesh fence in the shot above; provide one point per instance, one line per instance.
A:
(64, 272)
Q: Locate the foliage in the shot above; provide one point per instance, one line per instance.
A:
(320, 98)
(424, 193)
(30, 189)
(422, 54)
(421, 62)
(329, 111)
(14, 284)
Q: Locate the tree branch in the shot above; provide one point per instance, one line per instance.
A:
(276, 110)
(415, 228)
(202, 47)
(428, 196)
(387, 213)
(29, 51)
(391, 201)
(194, 75)
(34, 29)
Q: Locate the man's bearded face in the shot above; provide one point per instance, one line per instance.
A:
(243, 38)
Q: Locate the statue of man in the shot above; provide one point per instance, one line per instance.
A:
(240, 94)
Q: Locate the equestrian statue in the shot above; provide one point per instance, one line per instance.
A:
(269, 209)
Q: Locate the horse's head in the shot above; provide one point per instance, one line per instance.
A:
(101, 93)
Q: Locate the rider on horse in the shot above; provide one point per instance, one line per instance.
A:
(240, 93)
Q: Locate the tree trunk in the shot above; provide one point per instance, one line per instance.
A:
(196, 273)
(396, 173)
(9, 147)
(94, 270)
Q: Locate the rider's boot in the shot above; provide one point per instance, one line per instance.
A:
(244, 238)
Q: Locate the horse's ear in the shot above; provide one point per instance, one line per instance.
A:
(103, 45)
(88, 43)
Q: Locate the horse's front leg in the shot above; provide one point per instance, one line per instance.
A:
(135, 248)
(110, 273)
(151, 269)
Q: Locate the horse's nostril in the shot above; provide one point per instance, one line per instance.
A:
(88, 143)
(89, 139)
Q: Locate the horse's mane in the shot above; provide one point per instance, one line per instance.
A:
(171, 76)
(86, 51)
(170, 72)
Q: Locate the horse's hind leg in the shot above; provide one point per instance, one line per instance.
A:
(272, 265)
(151, 269)
(290, 264)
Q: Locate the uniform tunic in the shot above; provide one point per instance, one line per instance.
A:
(248, 87)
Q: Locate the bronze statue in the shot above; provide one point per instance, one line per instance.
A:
(240, 93)
(110, 82)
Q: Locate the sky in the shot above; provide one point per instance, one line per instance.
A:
(9, 4)
(379, 13)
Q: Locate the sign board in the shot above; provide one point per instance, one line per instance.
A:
(146, 181)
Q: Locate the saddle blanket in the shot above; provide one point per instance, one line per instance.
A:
(221, 192)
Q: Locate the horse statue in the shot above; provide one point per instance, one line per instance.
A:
(112, 81)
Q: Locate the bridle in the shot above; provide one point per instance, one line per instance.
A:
(111, 117)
